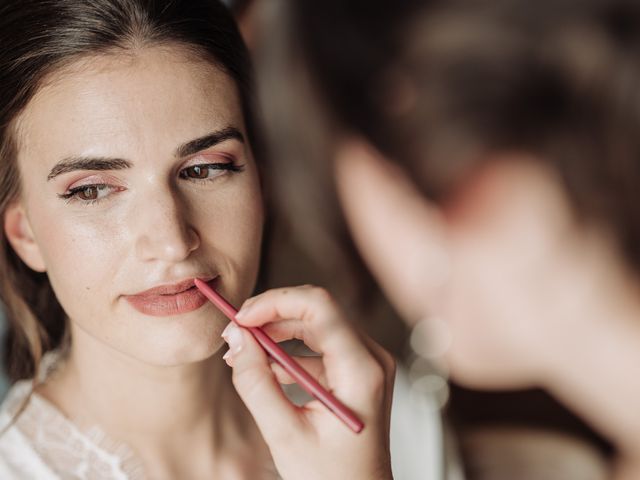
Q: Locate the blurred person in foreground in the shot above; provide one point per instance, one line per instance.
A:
(485, 157)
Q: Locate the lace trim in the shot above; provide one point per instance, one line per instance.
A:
(69, 451)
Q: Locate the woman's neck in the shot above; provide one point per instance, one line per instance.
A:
(174, 418)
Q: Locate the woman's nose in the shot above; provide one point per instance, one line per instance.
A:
(164, 231)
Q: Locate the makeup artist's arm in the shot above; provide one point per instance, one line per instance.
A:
(309, 442)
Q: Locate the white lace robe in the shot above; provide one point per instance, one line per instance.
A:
(42, 444)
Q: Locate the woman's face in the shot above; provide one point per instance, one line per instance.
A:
(137, 174)
(472, 275)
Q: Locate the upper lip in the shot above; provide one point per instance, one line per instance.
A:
(172, 288)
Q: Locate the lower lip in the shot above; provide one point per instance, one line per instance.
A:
(167, 305)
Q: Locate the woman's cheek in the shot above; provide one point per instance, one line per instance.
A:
(81, 257)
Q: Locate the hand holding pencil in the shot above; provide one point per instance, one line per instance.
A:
(309, 441)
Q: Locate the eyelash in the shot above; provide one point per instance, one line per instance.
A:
(72, 195)
(231, 167)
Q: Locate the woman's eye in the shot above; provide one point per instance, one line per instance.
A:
(197, 171)
(92, 192)
(88, 193)
(208, 171)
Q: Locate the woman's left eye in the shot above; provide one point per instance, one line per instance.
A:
(208, 171)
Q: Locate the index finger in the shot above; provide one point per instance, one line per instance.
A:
(310, 314)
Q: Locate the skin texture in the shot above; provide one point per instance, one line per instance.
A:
(138, 376)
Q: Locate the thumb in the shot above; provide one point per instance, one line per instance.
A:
(276, 417)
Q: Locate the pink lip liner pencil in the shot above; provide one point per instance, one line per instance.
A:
(293, 368)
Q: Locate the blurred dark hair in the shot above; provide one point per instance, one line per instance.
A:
(310, 87)
(37, 39)
(436, 85)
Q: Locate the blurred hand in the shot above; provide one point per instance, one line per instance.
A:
(309, 441)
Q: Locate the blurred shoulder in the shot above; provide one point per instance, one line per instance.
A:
(505, 453)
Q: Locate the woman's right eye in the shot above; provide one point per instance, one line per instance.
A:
(88, 194)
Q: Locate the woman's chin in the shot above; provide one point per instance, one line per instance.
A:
(189, 339)
(179, 353)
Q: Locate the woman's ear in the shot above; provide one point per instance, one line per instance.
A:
(511, 192)
(18, 230)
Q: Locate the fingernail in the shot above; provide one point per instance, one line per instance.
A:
(228, 358)
(233, 336)
(224, 333)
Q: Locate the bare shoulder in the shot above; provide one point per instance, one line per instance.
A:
(507, 453)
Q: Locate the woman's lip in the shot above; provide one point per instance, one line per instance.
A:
(170, 289)
(180, 298)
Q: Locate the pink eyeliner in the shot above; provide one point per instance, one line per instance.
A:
(293, 368)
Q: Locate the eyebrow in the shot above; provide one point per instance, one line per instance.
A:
(71, 164)
(202, 143)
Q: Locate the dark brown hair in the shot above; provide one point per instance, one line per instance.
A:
(39, 37)
(439, 84)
